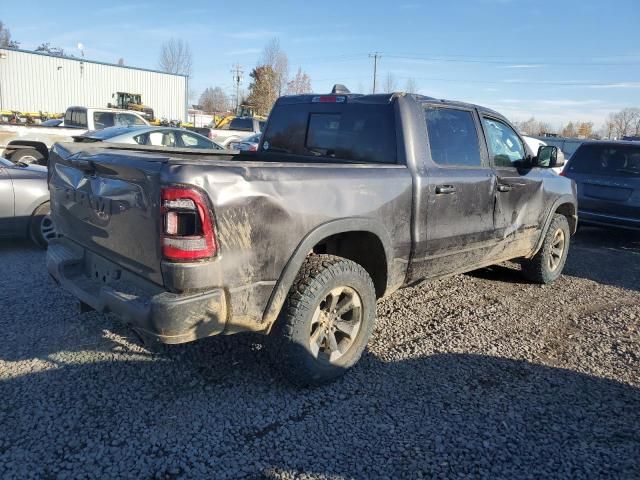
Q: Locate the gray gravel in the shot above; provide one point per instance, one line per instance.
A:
(479, 375)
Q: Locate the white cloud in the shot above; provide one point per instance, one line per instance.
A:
(616, 85)
(524, 65)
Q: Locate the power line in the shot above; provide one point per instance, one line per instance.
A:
(542, 63)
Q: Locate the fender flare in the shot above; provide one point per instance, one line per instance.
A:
(293, 265)
(15, 145)
(564, 199)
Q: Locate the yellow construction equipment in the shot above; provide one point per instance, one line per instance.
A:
(132, 101)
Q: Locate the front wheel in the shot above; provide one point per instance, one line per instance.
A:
(326, 321)
(546, 266)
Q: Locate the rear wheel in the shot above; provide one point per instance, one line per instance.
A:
(41, 227)
(28, 156)
(326, 321)
(546, 266)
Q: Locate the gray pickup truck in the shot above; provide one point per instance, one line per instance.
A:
(349, 198)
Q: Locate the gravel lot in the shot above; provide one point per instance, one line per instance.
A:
(478, 375)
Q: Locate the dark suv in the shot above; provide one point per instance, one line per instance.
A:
(608, 178)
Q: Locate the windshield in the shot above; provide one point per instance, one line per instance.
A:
(606, 160)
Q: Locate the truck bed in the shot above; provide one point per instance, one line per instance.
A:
(106, 199)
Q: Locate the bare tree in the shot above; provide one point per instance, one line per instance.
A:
(214, 100)
(274, 57)
(299, 84)
(569, 130)
(411, 86)
(121, 62)
(5, 38)
(625, 122)
(175, 57)
(390, 84)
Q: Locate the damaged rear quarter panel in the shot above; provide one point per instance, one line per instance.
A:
(263, 210)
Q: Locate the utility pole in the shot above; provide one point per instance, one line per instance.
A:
(237, 78)
(375, 57)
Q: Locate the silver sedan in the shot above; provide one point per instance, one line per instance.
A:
(145, 135)
(24, 202)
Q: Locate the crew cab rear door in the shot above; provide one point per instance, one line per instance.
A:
(460, 191)
(520, 200)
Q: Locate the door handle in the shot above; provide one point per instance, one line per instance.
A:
(445, 189)
(503, 187)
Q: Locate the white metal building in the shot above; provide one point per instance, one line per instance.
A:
(33, 82)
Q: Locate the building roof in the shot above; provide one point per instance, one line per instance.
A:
(84, 60)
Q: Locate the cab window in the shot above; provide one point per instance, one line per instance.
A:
(505, 147)
(453, 138)
(242, 124)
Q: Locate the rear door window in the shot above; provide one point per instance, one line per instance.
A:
(453, 137)
(606, 160)
(363, 133)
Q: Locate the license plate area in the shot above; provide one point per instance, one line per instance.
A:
(102, 271)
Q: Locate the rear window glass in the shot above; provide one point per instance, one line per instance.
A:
(352, 132)
(103, 120)
(606, 160)
(243, 124)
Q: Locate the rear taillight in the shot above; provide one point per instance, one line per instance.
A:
(187, 225)
(562, 173)
(253, 148)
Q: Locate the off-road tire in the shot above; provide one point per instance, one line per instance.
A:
(537, 269)
(38, 236)
(30, 156)
(289, 339)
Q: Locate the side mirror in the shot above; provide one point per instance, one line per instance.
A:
(549, 156)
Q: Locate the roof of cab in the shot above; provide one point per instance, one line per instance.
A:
(382, 98)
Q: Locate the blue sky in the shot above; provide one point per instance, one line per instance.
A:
(556, 60)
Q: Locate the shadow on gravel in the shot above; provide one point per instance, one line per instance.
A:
(216, 411)
(607, 256)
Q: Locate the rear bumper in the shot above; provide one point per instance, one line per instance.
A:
(605, 220)
(154, 313)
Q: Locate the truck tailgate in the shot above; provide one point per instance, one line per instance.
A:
(110, 204)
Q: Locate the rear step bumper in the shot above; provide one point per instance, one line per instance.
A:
(157, 315)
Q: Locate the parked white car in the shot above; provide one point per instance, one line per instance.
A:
(237, 130)
(31, 143)
(534, 144)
